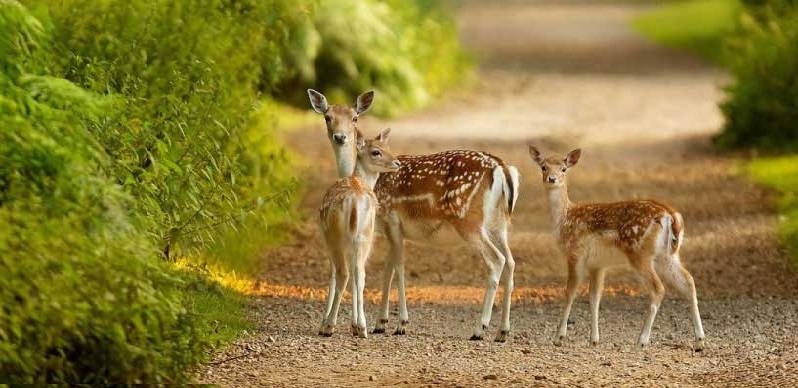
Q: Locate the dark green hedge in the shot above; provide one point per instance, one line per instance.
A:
(761, 108)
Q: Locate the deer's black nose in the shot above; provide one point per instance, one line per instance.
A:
(339, 138)
(551, 179)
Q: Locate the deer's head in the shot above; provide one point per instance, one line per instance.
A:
(341, 120)
(375, 155)
(554, 169)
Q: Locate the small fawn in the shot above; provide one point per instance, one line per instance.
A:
(473, 193)
(643, 235)
(347, 221)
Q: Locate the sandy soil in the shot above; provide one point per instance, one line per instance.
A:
(559, 74)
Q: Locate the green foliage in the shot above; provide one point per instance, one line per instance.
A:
(188, 72)
(761, 108)
(130, 129)
(700, 26)
(781, 174)
(83, 299)
(407, 50)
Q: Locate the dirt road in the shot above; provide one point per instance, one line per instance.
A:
(558, 74)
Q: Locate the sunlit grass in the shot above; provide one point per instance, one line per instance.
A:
(699, 26)
(219, 297)
(781, 174)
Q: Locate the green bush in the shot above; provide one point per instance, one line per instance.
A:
(407, 50)
(83, 297)
(188, 74)
(761, 108)
(134, 129)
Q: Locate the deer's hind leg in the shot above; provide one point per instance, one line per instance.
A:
(337, 287)
(596, 287)
(677, 276)
(657, 291)
(495, 261)
(500, 239)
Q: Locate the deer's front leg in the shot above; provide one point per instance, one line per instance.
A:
(399, 266)
(574, 280)
(385, 303)
(394, 251)
(596, 286)
(395, 238)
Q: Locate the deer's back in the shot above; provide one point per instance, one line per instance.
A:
(626, 225)
(441, 186)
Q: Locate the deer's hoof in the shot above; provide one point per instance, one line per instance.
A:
(559, 340)
(326, 331)
(699, 345)
(380, 328)
(502, 336)
(399, 331)
(476, 337)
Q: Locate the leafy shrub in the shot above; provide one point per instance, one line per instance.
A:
(83, 298)
(761, 108)
(133, 128)
(188, 74)
(407, 50)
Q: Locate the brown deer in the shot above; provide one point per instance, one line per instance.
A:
(472, 192)
(347, 221)
(643, 235)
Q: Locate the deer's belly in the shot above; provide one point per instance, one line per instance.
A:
(604, 254)
(426, 230)
(418, 229)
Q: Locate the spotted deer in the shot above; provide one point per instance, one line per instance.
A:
(472, 192)
(347, 221)
(641, 235)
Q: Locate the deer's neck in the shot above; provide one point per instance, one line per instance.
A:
(345, 159)
(368, 177)
(558, 206)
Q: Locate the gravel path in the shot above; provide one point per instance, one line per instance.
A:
(558, 74)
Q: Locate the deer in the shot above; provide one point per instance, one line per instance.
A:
(641, 235)
(347, 217)
(472, 192)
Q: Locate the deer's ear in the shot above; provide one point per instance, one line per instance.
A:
(573, 157)
(384, 135)
(364, 102)
(535, 154)
(318, 101)
(361, 142)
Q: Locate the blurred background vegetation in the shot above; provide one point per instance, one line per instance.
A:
(757, 41)
(141, 169)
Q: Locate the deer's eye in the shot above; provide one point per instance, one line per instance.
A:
(354, 119)
(327, 119)
(376, 153)
(543, 168)
(564, 168)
